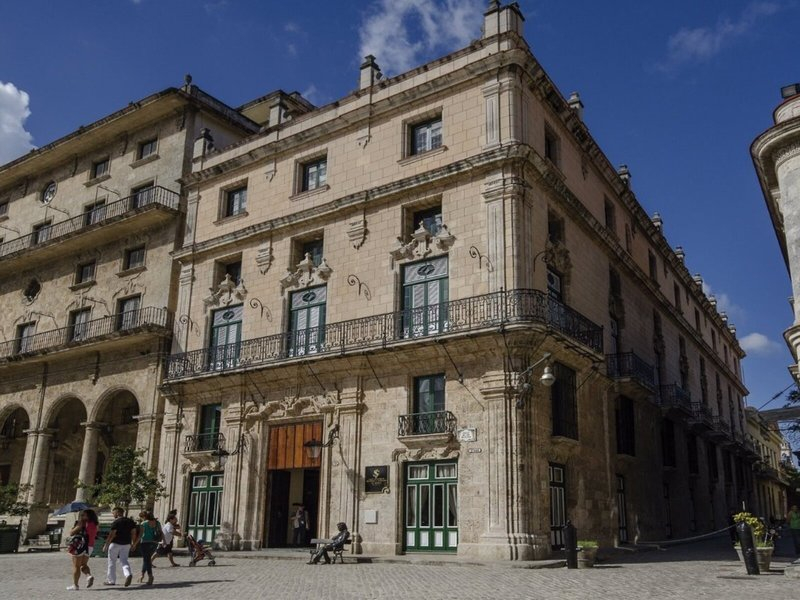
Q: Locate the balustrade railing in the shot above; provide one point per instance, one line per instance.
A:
(79, 333)
(629, 364)
(701, 413)
(722, 425)
(98, 215)
(468, 314)
(204, 442)
(674, 396)
(442, 421)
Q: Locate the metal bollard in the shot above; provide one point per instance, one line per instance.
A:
(571, 544)
(748, 548)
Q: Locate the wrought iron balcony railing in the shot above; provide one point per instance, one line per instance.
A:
(674, 396)
(204, 442)
(628, 364)
(442, 421)
(722, 425)
(378, 331)
(702, 414)
(155, 196)
(87, 332)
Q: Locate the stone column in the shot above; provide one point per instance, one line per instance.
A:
(86, 474)
(346, 467)
(39, 444)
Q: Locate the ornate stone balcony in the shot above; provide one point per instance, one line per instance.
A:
(90, 229)
(675, 400)
(428, 429)
(90, 333)
(635, 376)
(702, 419)
(203, 442)
(487, 312)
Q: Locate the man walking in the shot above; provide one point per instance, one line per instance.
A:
(123, 536)
(793, 518)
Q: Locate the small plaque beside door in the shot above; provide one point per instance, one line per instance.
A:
(376, 479)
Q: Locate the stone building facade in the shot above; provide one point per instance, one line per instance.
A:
(776, 156)
(371, 295)
(770, 484)
(87, 227)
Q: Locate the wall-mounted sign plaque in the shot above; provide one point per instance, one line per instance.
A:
(376, 479)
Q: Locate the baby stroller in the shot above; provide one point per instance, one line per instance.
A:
(198, 552)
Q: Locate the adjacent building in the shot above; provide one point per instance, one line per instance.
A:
(770, 484)
(87, 227)
(373, 295)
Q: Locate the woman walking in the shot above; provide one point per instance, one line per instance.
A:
(149, 536)
(83, 536)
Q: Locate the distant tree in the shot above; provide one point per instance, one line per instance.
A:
(10, 503)
(127, 480)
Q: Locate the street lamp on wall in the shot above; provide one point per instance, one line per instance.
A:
(314, 447)
(222, 455)
(524, 384)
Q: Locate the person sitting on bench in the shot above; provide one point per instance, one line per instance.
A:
(337, 543)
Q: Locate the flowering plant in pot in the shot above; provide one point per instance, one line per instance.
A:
(762, 539)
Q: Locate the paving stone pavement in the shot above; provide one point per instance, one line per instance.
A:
(704, 571)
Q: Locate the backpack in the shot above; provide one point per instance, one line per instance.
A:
(78, 544)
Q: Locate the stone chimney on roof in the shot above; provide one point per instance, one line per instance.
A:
(370, 72)
(277, 112)
(203, 144)
(499, 19)
(575, 104)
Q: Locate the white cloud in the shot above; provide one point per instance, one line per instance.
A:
(291, 27)
(399, 32)
(699, 44)
(758, 343)
(14, 140)
(311, 94)
(725, 304)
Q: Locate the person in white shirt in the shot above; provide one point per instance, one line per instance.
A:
(170, 530)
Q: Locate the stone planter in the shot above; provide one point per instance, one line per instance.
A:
(763, 557)
(587, 557)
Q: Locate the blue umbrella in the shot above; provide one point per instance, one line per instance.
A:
(72, 507)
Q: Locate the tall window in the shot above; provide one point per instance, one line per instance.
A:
(626, 423)
(426, 136)
(430, 218)
(226, 335)
(307, 334)
(3, 208)
(667, 443)
(235, 202)
(143, 195)
(558, 504)
(652, 266)
(100, 168)
(691, 451)
(428, 401)
(41, 232)
(610, 216)
(564, 402)
(233, 269)
(79, 324)
(676, 292)
(554, 289)
(315, 174)
(425, 293)
(25, 333)
(128, 312)
(313, 248)
(134, 258)
(210, 420)
(697, 320)
(94, 213)
(85, 272)
(552, 146)
(147, 148)
(555, 228)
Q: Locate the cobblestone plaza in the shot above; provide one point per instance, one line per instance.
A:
(707, 570)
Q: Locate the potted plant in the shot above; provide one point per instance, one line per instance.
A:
(12, 504)
(587, 553)
(762, 539)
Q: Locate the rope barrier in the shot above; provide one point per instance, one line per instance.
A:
(688, 540)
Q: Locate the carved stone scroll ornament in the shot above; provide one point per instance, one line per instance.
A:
(423, 243)
(451, 450)
(357, 232)
(264, 257)
(557, 256)
(226, 293)
(307, 274)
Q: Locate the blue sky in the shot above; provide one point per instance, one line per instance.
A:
(676, 90)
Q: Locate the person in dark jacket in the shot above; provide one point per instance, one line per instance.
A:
(337, 543)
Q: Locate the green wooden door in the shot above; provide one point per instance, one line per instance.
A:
(307, 335)
(226, 338)
(425, 293)
(205, 500)
(431, 507)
